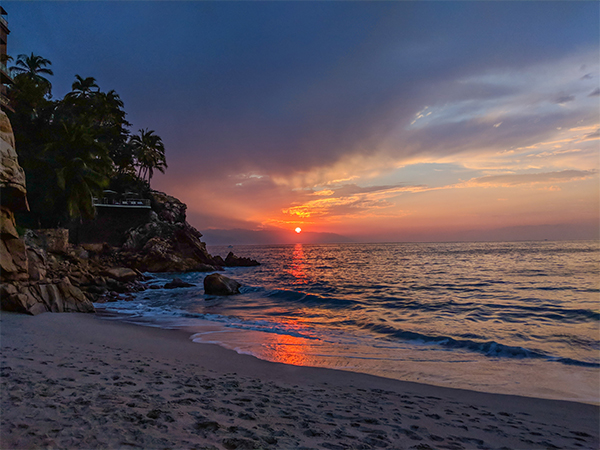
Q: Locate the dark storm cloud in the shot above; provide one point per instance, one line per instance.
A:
(280, 87)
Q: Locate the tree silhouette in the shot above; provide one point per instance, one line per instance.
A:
(33, 67)
(149, 152)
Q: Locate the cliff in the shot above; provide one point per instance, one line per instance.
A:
(24, 286)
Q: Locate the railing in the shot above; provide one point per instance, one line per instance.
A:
(139, 202)
(4, 21)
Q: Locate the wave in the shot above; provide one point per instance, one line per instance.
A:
(488, 348)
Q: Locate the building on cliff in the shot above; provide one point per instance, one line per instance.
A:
(5, 77)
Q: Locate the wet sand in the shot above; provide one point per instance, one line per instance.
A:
(78, 382)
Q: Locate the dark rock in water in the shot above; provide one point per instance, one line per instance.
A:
(177, 283)
(217, 284)
(237, 261)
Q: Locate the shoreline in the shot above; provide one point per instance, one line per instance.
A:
(77, 381)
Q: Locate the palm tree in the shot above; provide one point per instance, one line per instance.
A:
(82, 167)
(149, 152)
(33, 66)
(83, 87)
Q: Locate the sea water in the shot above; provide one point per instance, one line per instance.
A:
(518, 318)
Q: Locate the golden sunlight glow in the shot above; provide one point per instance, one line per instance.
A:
(298, 230)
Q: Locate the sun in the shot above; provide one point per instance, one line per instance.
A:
(298, 230)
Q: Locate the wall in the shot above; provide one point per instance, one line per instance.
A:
(109, 226)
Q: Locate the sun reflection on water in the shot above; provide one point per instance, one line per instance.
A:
(287, 349)
(298, 268)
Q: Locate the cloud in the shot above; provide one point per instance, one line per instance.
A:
(562, 99)
(532, 178)
(348, 200)
(592, 136)
(595, 93)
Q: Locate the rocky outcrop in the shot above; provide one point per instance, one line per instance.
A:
(167, 247)
(168, 208)
(43, 272)
(217, 284)
(236, 261)
(167, 243)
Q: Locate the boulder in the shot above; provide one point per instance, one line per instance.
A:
(122, 274)
(236, 261)
(177, 283)
(217, 284)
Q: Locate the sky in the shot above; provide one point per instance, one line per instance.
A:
(355, 121)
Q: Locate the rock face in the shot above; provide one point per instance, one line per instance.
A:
(168, 208)
(217, 284)
(167, 243)
(24, 286)
(37, 297)
(13, 254)
(12, 176)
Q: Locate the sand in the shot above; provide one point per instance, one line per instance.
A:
(76, 381)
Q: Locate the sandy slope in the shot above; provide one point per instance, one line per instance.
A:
(75, 381)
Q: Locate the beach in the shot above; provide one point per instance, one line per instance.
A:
(77, 381)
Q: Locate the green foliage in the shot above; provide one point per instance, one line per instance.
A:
(71, 149)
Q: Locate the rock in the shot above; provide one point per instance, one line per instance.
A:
(166, 247)
(24, 267)
(12, 176)
(96, 247)
(35, 298)
(217, 284)
(13, 253)
(236, 261)
(36, 265)
(177, 283)
(168, 208)
(81, 253)
(53, 240)
(122, 274)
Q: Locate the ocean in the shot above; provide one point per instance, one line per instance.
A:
(514, 318)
